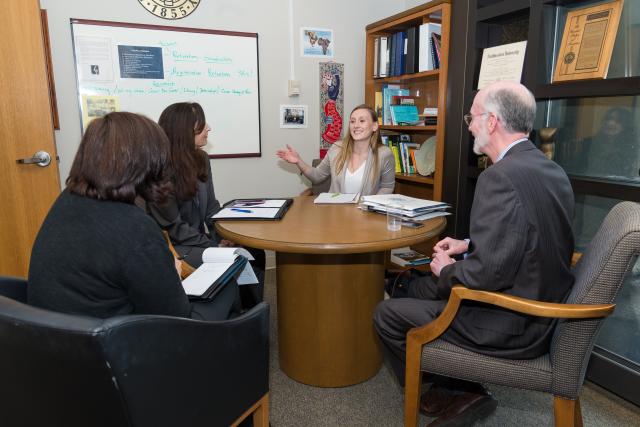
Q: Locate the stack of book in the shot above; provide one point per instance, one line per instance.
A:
(395, 106)
(406, 207)
(430, 116)
(403, 151)
(407, 257)
(411, 51)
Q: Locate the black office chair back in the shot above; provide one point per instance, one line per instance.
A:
(599, 276)
(52, 368)
(137, 370)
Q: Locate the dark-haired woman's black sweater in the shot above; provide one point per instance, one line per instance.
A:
(103, 258)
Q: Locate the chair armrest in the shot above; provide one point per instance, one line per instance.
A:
(174, 371)
(431, 331)
(421, 335)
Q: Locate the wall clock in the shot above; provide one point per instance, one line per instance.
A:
(170, 9)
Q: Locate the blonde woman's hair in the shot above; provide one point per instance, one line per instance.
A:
(375, 142)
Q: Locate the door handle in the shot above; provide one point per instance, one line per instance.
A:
(41, 158)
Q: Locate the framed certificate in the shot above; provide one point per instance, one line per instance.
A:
(502, 62)
(587, 42)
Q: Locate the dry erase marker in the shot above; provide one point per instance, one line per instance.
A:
(242, 210)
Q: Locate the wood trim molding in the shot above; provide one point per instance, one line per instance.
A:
(50, 79)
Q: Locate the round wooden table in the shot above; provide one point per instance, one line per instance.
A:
(330, 277)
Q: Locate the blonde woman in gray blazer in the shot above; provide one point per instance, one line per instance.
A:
(360, 162)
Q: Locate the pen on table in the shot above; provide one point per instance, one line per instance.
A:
(241, 210)
(247, 204)
(335, 194)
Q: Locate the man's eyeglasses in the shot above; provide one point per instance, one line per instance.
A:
(469, 117)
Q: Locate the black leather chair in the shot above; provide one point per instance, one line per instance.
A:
(137, 370)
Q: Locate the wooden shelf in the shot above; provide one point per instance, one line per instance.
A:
(622, 86)
(432, 74)
(409, 128)
(428, 180)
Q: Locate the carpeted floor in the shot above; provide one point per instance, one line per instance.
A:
(379, 401)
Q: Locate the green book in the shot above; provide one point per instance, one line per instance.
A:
(404, 115)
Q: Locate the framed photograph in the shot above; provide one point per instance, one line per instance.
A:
(316, 42)
(587, 42)
(293, 116)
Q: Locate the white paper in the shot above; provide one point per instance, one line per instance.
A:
(93, 56)
(227, 213)
(502, 63)
(224, 254)
(430, 215)
(336, 198)
(400, 201)
(204, 276)
(248, 276)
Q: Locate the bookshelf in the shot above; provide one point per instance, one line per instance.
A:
(428, 87)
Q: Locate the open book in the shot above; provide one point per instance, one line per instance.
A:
(219, 266)
(336, 198)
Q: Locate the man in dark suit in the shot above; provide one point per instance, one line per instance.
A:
(520, 243)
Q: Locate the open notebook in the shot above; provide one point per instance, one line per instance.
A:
(219, 267)
(336, 198)
(256, 209)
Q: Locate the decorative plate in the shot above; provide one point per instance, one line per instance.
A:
(426, 157)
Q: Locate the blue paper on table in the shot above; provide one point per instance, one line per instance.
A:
(404, 114)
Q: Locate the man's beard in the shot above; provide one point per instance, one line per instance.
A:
(480, 142)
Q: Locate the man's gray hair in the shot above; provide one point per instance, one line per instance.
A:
(515, 108)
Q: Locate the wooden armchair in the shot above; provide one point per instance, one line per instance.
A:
(599, 275)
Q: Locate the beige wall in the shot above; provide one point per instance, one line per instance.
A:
(233, 178)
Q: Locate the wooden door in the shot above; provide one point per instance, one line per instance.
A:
(27, 190)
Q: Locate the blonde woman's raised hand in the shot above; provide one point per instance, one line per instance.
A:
(289, 155)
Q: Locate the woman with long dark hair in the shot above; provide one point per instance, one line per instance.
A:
(186, 215)
(97, 253)
(359, 164)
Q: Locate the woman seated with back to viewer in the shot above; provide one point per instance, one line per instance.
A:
(360, 164)
(186, 214)
(97, 253)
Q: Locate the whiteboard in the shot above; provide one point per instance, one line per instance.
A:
(145, 68)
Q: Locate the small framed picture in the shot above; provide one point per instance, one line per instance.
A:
(318, 42)
(293, 116)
